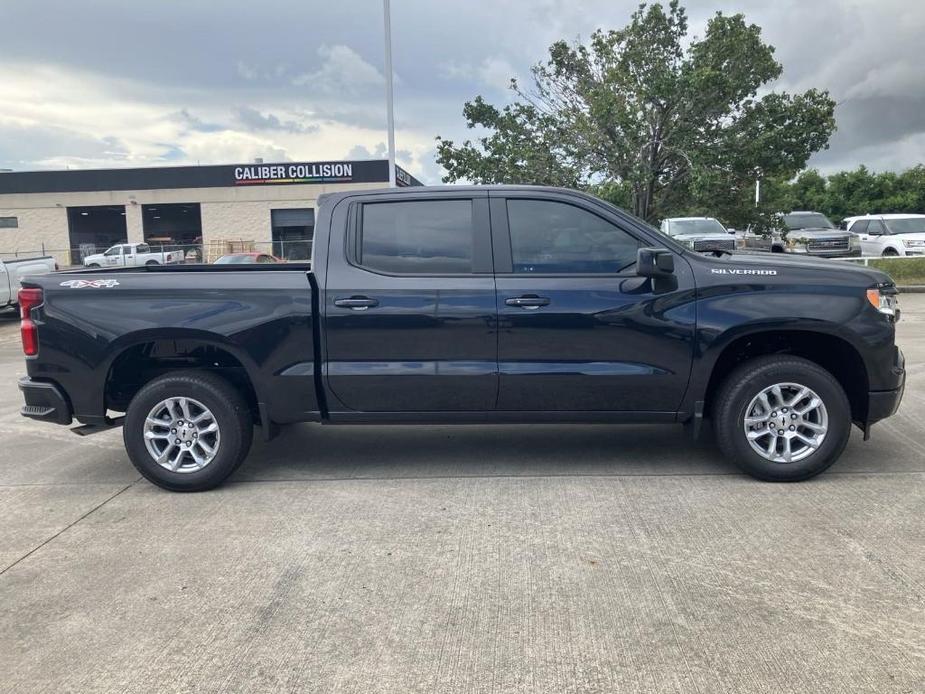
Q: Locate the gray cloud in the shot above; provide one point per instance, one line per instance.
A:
(253, 119)
(308, 77)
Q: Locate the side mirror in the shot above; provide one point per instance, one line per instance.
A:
(654, 262)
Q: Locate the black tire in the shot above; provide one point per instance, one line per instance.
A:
(230, 412)
(152, 262)
(93, 265)
(890, 252)
(746, 382)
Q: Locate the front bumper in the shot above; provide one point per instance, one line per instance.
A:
(884, 403)
(45, 402)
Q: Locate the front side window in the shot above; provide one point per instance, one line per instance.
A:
(875, 227)
(115, 250)
(555, 237)
(418, 237)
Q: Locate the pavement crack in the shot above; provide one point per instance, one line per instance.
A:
(68, 527)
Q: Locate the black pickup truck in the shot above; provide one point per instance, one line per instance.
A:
(467, 305)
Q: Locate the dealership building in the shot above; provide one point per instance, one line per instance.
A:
(205, 210)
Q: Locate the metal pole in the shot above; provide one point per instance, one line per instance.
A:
(757, 191)
(390, 115)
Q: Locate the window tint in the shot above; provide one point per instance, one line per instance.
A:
(141, 248)
(417, 237)
(113, 251)
(859, 227)
(875, 227)
(556, 237)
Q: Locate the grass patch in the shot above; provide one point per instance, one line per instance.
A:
(903, 271)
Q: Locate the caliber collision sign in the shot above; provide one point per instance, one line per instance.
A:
(262, 174)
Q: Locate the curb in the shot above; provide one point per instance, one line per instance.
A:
(911, 289)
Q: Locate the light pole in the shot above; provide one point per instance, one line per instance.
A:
(389, 105)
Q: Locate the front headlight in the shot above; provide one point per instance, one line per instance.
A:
(914, 244)
(885, 302)
(797, 245)
(854, 241)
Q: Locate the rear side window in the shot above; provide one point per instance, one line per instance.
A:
(555, 237)
(419, 237)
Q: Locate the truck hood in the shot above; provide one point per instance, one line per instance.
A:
(786, 267)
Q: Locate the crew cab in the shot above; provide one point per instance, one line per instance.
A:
(12, 271)
(889, 234)
(467, 305)
(132, 255)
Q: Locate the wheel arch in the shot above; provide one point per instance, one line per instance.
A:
(829, 350)
(146, 355)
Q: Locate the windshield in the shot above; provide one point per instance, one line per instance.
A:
(911, 225)
(675, 227)
(235, 260)
(813, 220)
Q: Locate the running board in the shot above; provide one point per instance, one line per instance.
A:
(106, 425)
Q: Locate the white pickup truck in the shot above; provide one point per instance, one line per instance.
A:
(131, 255)
(12, 271)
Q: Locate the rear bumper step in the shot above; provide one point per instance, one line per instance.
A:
(44, 402)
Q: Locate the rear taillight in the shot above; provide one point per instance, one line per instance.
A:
(29, 298)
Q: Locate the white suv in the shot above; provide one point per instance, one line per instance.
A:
(889, 234)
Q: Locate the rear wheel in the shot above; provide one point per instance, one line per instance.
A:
(782, 418)
(187, 431)
(152, 262)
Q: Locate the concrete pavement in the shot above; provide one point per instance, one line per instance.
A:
(484, 559)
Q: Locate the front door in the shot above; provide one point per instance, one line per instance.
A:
(578, 330)
(410, 312)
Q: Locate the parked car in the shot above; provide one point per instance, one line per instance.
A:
(889, 234)
(132, 255)
(246, 258)
(699, 233)
(12, 271)
(468, 305)
(808, 233)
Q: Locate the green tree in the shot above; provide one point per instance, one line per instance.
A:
(677, 124)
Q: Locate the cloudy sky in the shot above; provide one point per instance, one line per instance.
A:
(100, 83)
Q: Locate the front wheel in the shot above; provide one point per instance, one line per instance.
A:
(187, 431)
(782, 418)
(890, 252)
(93, 265)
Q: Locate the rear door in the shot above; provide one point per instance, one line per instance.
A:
(578, 330)
(409, 303)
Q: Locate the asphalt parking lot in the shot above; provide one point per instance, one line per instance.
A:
(483, 559)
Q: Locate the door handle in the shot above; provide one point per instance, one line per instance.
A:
(531, 302)
(357, 303)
